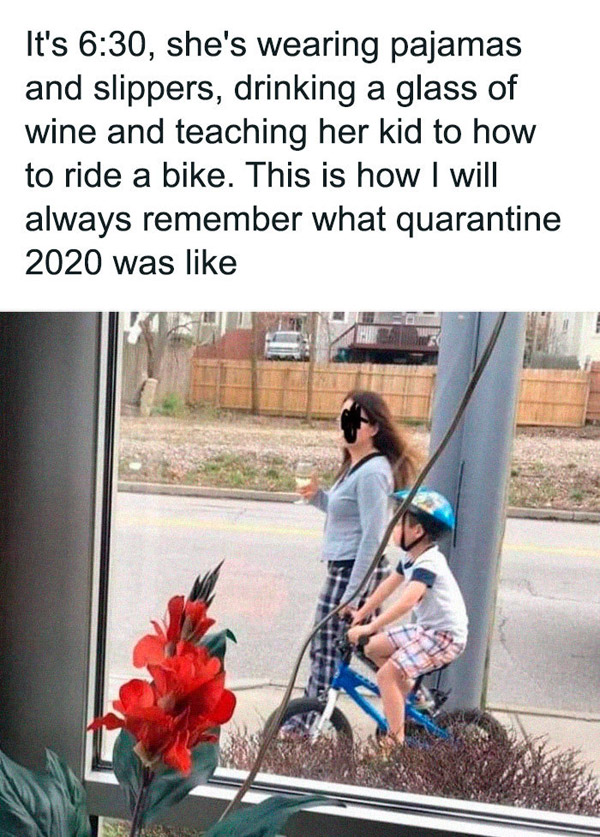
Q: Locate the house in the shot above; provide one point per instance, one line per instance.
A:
(367, 336)
(575, 334)
(389, 337)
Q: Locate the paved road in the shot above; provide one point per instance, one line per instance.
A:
(546, 644)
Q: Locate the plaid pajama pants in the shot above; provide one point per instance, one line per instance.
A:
(323, 651)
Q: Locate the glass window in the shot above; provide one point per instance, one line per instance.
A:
(367, 317)
(209, 317)
(338, 316)
(597, 323)
(178, 447)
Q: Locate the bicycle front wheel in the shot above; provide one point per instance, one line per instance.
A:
(302, 716)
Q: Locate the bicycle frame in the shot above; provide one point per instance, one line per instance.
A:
(349, 681)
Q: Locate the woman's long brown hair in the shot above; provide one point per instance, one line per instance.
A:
(390, 440)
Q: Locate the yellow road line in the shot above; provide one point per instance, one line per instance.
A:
(317, 532)
(580, 551)
(218, 525)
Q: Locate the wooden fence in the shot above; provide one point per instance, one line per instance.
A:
(282, 386)
(555, 397)
(548, 397)
(174, 375)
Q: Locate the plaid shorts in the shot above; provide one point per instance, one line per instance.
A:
(420, 650)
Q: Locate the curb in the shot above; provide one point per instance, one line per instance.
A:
(290, 497)
(504, 709)
(245, 683)
(206, 491)
(554, 514)
(501, 708)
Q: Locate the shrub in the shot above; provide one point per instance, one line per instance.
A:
(171, 405)
(542, 360)
(525, 773)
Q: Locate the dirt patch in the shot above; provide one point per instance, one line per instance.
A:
(551, 467)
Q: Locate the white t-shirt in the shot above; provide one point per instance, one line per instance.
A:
(442, 608)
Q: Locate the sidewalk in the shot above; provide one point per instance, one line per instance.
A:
(566, 731)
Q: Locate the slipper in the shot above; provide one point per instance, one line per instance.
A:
(386, 745)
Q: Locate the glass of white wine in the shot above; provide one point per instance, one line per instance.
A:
(303, 474)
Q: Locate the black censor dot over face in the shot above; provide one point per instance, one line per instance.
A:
(351, 421)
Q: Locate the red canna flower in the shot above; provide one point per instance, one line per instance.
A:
(187, 620)
(179, 710)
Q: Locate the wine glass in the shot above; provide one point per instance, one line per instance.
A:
(303, 474)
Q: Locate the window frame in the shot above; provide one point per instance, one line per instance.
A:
(381, 812)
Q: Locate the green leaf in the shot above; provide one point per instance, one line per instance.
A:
(168, 786)
(217, 642)
(266, 819)
(37, 804)
(80, 823)
(127, 767)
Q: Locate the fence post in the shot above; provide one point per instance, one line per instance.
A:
(587, 397)
(218, 385)
(357, 378)
(432, 382)
(593, 406)
(283, 380)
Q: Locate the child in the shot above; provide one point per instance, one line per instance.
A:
(439, 633)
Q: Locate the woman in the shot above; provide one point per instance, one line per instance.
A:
(377, 459)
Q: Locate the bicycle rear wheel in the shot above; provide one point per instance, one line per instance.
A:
(472, 725)
(305, 712)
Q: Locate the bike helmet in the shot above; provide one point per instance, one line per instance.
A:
(431, 509)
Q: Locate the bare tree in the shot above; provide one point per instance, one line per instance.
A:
(156, 332)
(156, 342)
(312, 336)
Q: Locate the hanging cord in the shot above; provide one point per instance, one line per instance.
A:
(270, 733)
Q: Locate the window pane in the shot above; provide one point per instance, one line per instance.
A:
(195, 433)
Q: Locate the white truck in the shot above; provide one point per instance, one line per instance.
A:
(286, 345)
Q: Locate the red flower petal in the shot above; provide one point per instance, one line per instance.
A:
(196, 621)
(135, 694)
(203, 699)
(110, 721)
(160, 632)
(175, 607)
(178, 755)
(149, 650)
(224, 709)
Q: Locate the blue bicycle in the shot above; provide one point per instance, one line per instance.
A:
(422, 711)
